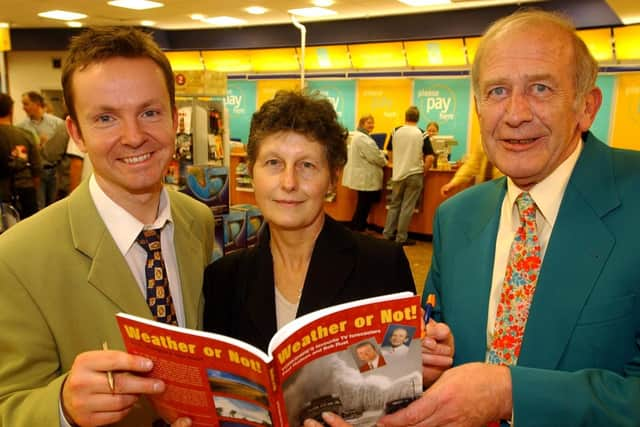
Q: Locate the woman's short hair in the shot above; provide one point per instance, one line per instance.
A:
(311, 115)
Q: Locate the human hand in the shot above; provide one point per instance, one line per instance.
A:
(468, 395)
(438, 348)
(86, 397)
(330, 418)
(447, 189)
(182, 422)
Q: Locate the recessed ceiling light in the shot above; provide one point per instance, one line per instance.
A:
(312, 12)
(323, 3)
(4, 25)
(147, 23)
(418, 3)
(197, 16)
(224, 21)
(74, 24)
(62, 15)
(256, 10)
(136, 4)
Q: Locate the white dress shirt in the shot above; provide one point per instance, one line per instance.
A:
(125, 228)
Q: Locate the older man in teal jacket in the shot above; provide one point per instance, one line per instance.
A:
(573, 358)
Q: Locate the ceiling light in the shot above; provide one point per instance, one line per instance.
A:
(224, 21)
(136, 4)
(323, 3)
(4, 25)
(312, 12)
(74, 24)
(62, 15)
(256, 10)
(418, 3)
(147, 23)
(197, 16)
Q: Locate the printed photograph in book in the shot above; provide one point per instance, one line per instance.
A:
(362, 382)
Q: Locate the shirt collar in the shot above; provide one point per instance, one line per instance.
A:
(548, 193)
(124, 227)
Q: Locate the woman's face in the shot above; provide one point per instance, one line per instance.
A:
(291, 177)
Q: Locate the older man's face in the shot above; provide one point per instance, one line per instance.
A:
(366, 353)
(398, 336)
(529, 117)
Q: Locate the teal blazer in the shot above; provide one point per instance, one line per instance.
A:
(580, 358)
(62, 280)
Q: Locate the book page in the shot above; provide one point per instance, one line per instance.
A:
(359, 360)
(213, 379)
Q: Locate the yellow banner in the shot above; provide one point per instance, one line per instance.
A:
(266, 89)
(5, 39)
(626, 125)
(386, 100)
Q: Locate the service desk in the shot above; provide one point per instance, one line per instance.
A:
(344, 204)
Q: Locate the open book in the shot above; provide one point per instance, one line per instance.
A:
(360, 360)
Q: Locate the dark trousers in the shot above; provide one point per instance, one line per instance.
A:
(366, 199)
(27, 203)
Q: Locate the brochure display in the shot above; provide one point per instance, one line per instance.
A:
(341, 359)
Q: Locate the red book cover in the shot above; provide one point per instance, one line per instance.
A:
(360, 360)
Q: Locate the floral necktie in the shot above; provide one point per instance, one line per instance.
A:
(518, 287)
(158, 294)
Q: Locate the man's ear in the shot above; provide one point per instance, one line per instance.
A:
(174, 115)
(74, 132)
(591, 104)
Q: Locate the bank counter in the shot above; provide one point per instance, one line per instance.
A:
(344, 203)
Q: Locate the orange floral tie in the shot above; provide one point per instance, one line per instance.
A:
(158, 294)
(518, 287)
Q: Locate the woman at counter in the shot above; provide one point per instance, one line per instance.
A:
(363, 171)
(304, 260)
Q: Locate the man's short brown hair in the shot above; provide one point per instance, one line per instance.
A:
(102, 43)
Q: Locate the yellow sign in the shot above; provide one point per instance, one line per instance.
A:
(386, 100)
(626, 125)
(191, 82)
(266, 89)
(5, 39)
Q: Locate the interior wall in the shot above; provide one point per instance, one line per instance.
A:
(31, 70)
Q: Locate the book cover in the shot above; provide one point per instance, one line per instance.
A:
(339, 358)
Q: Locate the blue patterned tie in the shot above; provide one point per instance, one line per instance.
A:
(157, 282)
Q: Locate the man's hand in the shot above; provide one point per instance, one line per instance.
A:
(182, 422)
(86, 397)
(447, 189)
(438, 349)
(330, 418)
(468, 395)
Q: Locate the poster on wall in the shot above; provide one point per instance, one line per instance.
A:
(626, 125)
(447, 102)
(342, 94)
(266, 89)
(602, 124)
(386, 100)
(241, 104)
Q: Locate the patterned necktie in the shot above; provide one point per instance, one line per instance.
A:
(518, 287)
(158, 295)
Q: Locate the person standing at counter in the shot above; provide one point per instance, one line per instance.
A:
(411, 159)
(363, 171)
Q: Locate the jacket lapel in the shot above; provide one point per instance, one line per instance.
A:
(474, 262)
(189, 256)
(578, 249)
(257, 289)
(323, 283)
(109, 272)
